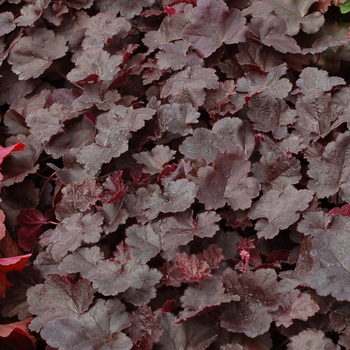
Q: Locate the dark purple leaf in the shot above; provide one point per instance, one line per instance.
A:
(155, 160)
(54, 12)
(44, 123)
(33, 223)
(176, 56)
(232, 184)
(188, 85)
(30, 13)
(330, 259)
(295, 13)
(58, 298)
(256, 55)
(213, 24)
(279, 210)
(144, 331)
(127, 9)
(271, 114)
(102, 27)
(171, 27)
(277, 172)
(15, 301)
(114, 129)
(98, 328)
(196, 334)
(15, 168)
(311, 338)
(73, 136)
(311, 78)
(71, 232)
(272, 31)
(198, 299)
(78, 197)
(177, 117)
(94, 65)
(330, 174)
(258, 298)
(95, 96)
(177, 196)
(295, 305)
(315, 116)
(6, 23)
(79, 4)
(32, 55)
(225, 133)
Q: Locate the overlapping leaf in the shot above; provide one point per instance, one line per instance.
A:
(257, 292)
(213, 24)
(207, 144)
(114, 129)
(94, 65)
(233, 186)
(155, 160)
(330, 174)
(98, 328)
(295, 13)
(272, 32)
(71, 232)
(32, 55)
(270, 114)
(278, 210)
(188, 85)
(58, 298)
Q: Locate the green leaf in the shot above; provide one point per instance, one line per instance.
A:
(345, 8)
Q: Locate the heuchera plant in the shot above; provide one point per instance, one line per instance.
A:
(174, 175)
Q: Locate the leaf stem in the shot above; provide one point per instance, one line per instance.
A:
(47, 181)
(65, 77)
(285, 342)
(226, 53)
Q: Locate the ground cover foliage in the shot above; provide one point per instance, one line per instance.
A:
(174, 175)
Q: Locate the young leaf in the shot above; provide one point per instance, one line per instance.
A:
(144, 331)
(345, 7)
